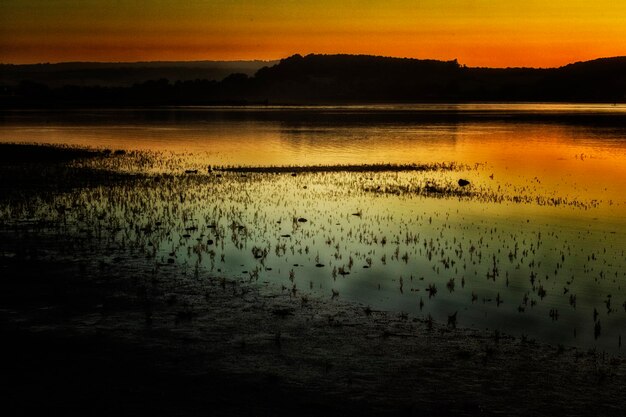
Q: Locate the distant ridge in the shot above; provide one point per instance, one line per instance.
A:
(120, 74)
(314, 79)
(598, 63)
(79, 64)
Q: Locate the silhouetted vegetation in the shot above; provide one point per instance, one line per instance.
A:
(345, 168)
(319, 79)
(46, 169)
(18, 154)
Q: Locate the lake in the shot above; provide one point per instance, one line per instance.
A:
(534, 246)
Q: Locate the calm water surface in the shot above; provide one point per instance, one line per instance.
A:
(531, 268)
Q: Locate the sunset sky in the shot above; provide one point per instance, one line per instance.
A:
(477, 32)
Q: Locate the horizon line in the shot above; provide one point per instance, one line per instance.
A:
(296, 54)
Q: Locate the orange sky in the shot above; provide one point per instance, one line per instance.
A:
(476, 32)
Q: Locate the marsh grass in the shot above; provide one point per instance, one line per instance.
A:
(253, 228)
(37, 170)
(363, 168)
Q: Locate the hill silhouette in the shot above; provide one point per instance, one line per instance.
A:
(322, 79)
(123, 74)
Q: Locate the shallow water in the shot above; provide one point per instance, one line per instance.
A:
(537, 247)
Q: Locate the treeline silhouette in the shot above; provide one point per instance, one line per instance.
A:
(321, 79)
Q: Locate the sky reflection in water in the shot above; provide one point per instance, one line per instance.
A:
(524, 268)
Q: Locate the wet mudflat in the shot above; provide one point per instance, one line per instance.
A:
(117, 300)
(124, 339)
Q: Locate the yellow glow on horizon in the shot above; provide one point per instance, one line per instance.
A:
(476, 32)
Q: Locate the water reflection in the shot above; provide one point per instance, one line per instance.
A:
(579, 157)
(525, 268)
